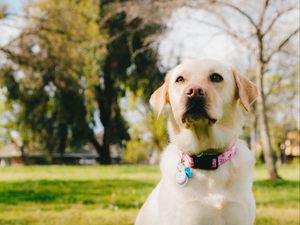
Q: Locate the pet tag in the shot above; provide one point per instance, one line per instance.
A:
(181, 178)
(188, 172)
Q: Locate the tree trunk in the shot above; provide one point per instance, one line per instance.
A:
(103, 151)
(22, 150)
(106, 157)
(23, 154)
(253, 134)
(105, 98)
(263, 124)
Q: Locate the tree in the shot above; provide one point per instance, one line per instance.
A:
(282, 88)
(52, 65)
(264, 51)
(130, 64)
(76, 58)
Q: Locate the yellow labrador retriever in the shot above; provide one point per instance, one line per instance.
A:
(206, 170)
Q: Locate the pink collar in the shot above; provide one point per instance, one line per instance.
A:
(208, 160)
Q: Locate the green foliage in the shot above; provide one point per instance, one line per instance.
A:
(136, 151)
(3, 131)
(283, 95)
(157, 126)
(147, 134)
(57, 65)
(7, 121)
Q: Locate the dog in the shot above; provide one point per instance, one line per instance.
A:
(207, 171)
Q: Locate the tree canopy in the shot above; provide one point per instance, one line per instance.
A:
(72, 60)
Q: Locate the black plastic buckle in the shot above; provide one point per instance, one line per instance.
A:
(206, 161)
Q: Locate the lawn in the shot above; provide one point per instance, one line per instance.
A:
(108, 195)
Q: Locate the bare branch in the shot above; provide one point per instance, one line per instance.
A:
(282, 44)
(234, 34)
(262, 14)
(240, 11)
(225, 28)
(278, 101)
(272, 86)
(241, 40)
(26, 16)
(276, 18)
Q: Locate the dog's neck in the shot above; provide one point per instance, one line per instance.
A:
(203, 137)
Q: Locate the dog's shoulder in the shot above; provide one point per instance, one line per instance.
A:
(243, 155)
(169, 160)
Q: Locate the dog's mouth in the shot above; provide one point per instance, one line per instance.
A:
(196, 111)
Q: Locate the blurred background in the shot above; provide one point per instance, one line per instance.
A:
(76, 77)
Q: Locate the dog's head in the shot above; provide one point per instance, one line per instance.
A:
(203, 95)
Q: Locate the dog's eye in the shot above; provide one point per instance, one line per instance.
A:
(179, 79)
(215, 77)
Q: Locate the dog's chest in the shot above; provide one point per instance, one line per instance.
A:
(213, 189)
(214, 210)
(203, 203)
(214, 197)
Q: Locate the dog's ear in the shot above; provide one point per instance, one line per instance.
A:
(160, 97)
(247, 91)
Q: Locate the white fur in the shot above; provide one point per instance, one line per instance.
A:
(218, 197)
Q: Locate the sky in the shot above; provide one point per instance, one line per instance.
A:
(10, 27)
(15, 6)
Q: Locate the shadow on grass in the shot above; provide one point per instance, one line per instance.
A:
(122, 193)
(125, 193)
(277, 183)
(13, 222)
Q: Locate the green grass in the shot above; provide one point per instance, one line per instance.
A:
(108, 195)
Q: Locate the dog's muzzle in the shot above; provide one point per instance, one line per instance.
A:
(195, 109)
(196, 98)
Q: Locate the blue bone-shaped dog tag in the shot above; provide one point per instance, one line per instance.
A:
(188, 172)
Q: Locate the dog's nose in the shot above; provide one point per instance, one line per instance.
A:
(195, 91)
